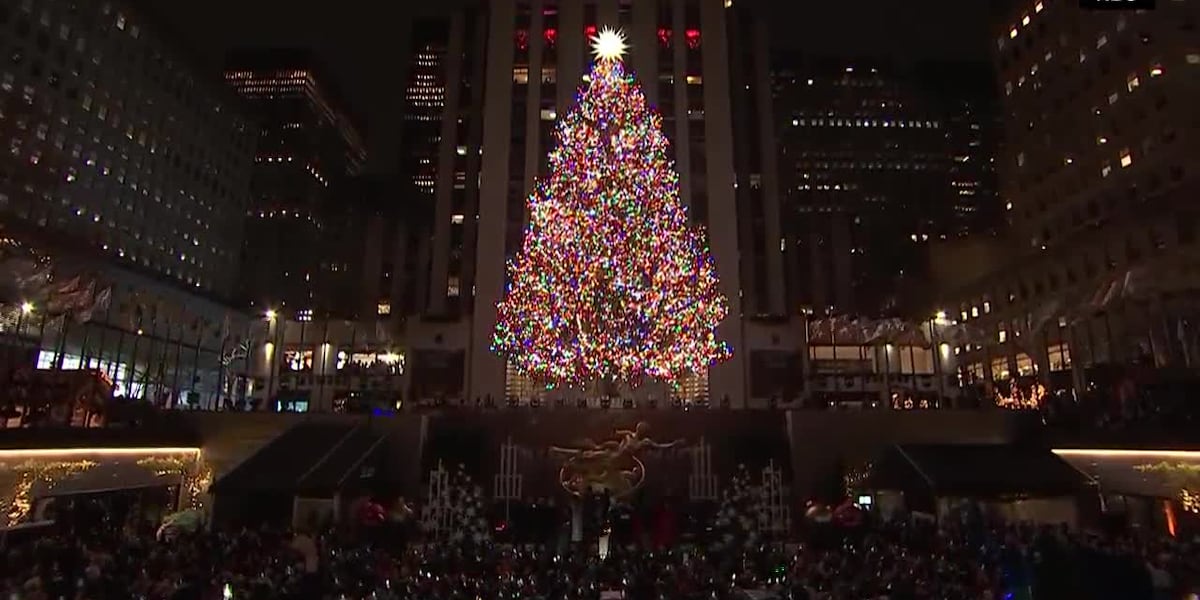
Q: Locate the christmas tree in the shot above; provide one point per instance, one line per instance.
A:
(612, 284)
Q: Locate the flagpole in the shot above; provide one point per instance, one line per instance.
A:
(115, 364)
(60, 347)
(196, 367)
(175, 373)
(133, 360)
(325, 349)
(221, 370)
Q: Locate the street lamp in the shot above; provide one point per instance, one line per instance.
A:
(271, 314)
(26, 308)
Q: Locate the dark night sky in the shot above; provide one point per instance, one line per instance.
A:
(363, 41)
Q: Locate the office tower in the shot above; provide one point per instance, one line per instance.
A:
(1098, 171)
(756, 168)
(126, 174)
(117, 146)
(879, 160)
(307, 140)
(441, 138)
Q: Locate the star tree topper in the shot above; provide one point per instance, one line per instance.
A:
(609, 44)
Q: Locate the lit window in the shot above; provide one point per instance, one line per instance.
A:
(549, 114)
(1021, 159)
(452, 287)
(383, 308)
(964, 315)
(1192, 59)
(1100, 141)
(694, 80)
(1126, 159)
(974, 312)
(1105, 170)
(1157, 70)
(1003, 336)
(987, 307)
(520, 74)
(1012, 33)
(1132, 83)
(1037, 8)
(1008, 88)
(1112, 98)
(1101, 41)
(456, 219)
(1025, 20)
(460, 150)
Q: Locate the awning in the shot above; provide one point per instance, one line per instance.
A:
(1149, 473)
(977, 471)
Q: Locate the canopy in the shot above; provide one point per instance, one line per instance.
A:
(977, 471)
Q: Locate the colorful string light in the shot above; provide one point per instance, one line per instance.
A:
(612, 283)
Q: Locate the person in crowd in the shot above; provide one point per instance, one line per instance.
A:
(895, 561)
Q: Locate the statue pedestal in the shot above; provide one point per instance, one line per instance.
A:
(576, 520)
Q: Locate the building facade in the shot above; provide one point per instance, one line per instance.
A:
(116, 146)
(125, 186)
(306, 142)
(441, 139)
(879, 160)
(1098, 173)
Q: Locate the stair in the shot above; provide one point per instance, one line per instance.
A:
(337, 466)
(279, 466)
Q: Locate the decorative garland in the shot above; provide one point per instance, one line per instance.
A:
(19, 501)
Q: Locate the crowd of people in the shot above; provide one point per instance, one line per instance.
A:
(895, 561)
(1163, 411)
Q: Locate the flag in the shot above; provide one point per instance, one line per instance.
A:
(99, 303)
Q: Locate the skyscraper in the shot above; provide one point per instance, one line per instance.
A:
(307, 140)
(1098, 172)
(879, 160)
(116, 144)
(128, 173)
(441, 155)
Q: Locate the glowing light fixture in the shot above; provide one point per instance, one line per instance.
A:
(26, 307)
(609, 44)
(57, 452)
(1108, 453)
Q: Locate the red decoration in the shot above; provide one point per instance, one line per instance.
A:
(551, 36)
(522, 39)
(693, 38)
(590, 31)
(664, 36)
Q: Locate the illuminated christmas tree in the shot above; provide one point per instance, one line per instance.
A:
(612, 284)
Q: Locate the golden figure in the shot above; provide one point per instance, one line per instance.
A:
(612, 465)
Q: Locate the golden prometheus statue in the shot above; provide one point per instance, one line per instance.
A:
(610, 466)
